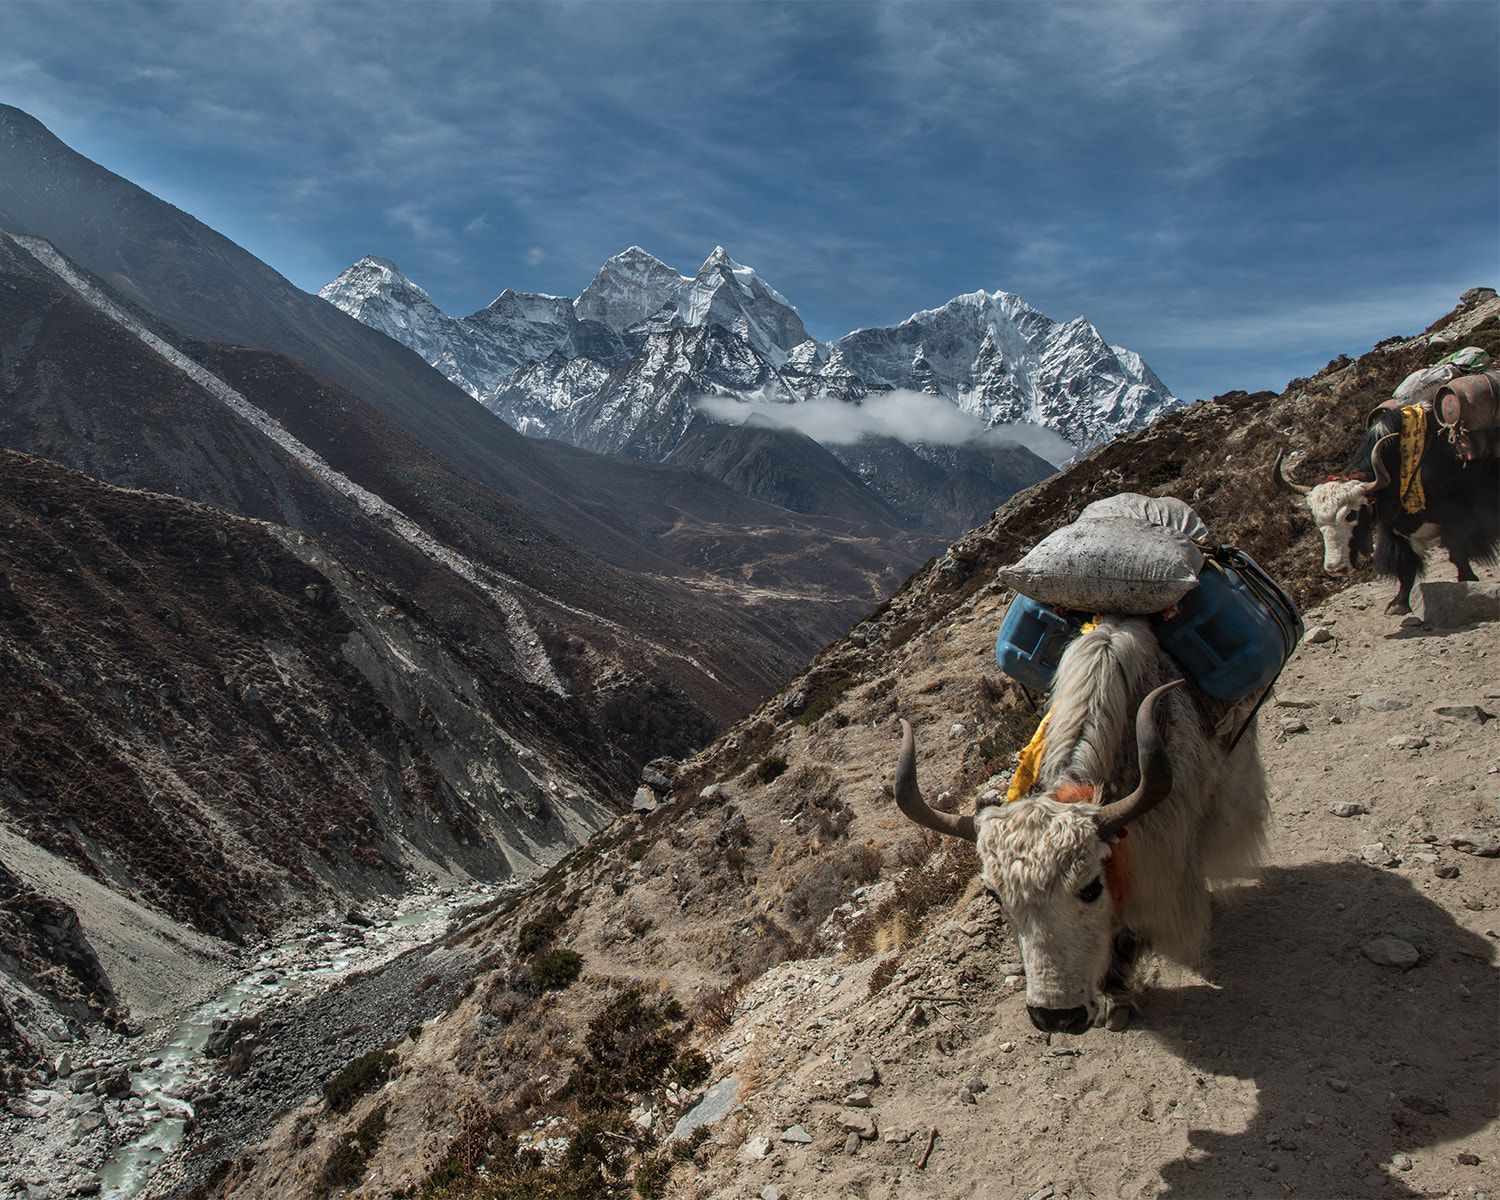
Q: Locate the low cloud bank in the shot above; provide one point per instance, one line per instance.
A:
(908, 416)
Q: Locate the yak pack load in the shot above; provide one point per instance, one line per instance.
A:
(1462, 392)
(1225, 621)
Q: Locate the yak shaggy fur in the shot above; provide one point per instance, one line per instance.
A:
(1036, 853)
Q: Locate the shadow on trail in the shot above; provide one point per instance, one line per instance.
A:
(1296, 1008)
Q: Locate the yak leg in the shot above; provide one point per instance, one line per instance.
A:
(1119, 994)
(1465, 571)
(1400, 603)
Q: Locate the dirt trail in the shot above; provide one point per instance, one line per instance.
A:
(1292, 1064)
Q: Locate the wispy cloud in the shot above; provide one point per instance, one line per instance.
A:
(908, 416)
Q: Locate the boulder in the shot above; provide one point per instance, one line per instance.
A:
(1449, 605)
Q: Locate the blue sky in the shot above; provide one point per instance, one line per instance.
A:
(1237, 191)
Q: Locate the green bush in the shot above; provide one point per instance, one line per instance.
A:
(364, 1074)
(351, 1157)
(538, 932)
(770, 768)
(1165, 471)
(637, 850)
(556, 970)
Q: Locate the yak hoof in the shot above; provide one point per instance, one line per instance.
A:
(1118, 1018)
(1398, 607)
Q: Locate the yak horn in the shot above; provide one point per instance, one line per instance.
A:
(1382, 476)
(1281, 481)
(909, 796)
(1156, 770)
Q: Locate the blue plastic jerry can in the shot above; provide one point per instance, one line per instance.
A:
(1032, 639)
(1232, 633)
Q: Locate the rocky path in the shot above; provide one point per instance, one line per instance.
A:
(1338, 1041)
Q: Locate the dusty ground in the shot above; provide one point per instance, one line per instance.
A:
(1290, 1064)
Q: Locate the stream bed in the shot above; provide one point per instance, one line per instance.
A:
(178, 1083)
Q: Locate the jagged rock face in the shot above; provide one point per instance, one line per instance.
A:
(735, 297)
(998, 358)
(991, 353)
(475, 352)
(621, 370)
(628, 288)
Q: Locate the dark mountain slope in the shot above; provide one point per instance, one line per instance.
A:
(203, 285)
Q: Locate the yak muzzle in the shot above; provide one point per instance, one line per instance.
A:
(1060, 1020)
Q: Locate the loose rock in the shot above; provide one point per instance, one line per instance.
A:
(1375, 702)
(1391, 952)
(1347, 808)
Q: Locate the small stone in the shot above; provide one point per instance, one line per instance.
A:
(857, 1100)
(1007, 1047)
(1401, 1162)
(966, 1097)
(1377, 855)
(756, 1147)
(851, 1144)
(1465, 712)
(861, 1122)
(1376, 1181)
(1375, 702)
(1250, 1160)
(955, 731)
(1407, 741)
(1391, 952)
(1407, 933)
(712, 792)
(896, 1137)
(1445, 871)
(770, 1192)
(1468, 1160)
(797, 1135)
(1295, 702)
(1291, 725)
(1319, 634)
(1338, 1085)
(644, 800)
(1347, 808)
(1313, 1121)
(862, 1070)
(1481, 844)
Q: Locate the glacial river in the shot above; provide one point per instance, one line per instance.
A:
(300, 966)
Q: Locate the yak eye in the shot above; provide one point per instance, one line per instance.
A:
(1092, 891)
(1351, 515)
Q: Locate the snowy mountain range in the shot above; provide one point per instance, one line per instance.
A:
(646, 357)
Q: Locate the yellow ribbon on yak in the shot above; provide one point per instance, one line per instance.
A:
(1413, 439)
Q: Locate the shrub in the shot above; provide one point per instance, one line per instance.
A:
(557, 970)
(866, 864)
(716, 1006)
(364, 1074)
(637, 850)
(770, 768)
(692, 1067)
(1164, 471)
(347, 1164)
(537, 932)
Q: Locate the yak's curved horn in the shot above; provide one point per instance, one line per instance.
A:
(909, 796)
(1281, 481)
(1382, 476)
(1156, 769)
